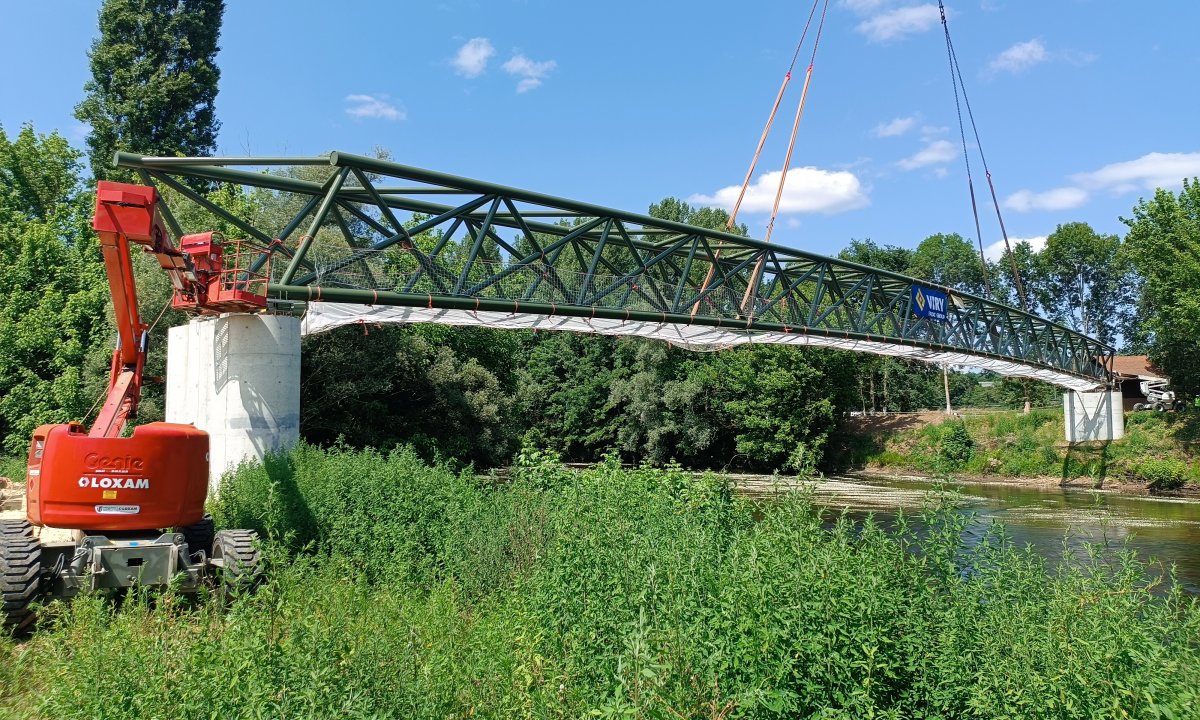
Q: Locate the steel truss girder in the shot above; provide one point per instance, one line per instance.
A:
(487, 245)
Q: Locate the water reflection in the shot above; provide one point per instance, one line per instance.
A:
(1162, 530)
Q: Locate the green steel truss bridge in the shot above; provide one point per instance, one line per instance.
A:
(362, 240)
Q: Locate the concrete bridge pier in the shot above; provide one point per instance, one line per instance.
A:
(1093, 416)
(237, 377)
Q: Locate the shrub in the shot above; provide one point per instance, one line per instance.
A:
(1162, 473)
(387, 514)
(890, 458)
(957, 445)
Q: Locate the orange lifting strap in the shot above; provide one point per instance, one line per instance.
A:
(758, 151)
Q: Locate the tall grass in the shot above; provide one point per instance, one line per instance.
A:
(401, 590)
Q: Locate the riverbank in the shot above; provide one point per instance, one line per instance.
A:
(1118, 485)
(767, 484)
(1159, 452)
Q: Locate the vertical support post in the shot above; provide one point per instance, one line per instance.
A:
(946, 384)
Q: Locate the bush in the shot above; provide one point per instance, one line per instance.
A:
(957, 445)
(1162, 473)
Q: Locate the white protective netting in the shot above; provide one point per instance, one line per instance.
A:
(322, 316)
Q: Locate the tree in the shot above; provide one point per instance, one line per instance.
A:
(677, 210)
(1081, 279)
(447, 391)
(1004, 285)
(39, 173)
(154, 80)
(885, 257)
(949, 260)
(565, 382)
(893, 375)
(52, 291)
(1164, 246)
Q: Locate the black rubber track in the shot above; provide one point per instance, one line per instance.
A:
(20, 572)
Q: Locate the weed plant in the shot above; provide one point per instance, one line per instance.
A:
(397, 589)
(12, 468)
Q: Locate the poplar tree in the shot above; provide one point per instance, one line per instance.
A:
(154, 80)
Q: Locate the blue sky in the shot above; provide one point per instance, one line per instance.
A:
(1083, 105)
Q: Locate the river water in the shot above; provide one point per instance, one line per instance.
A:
(1162, 530)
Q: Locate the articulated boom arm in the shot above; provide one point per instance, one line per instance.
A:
(202, 285)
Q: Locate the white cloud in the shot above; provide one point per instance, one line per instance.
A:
(1150, 171)
(863, 7)
(935, 152)
(808, 190)
(1020, 57)
(995, 251)
(371, 106)
(531, 73)
(1063, 198)
(895, 128)
(472, 58)
(929, 132)
(1079, 58)
(895, 24)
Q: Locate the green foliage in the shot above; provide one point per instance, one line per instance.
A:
(948, 259)
(38, 177)
(758, 407)
(614, 593)
(957, 445)
(1164, 245)
(1005, 392)
(885, 257)
(52, 289)
(1082, 280)
(12, 468)
(154, 80)
(706, 217)
(1158, 449)
(385, 515)
(1163, 473)
(564, 380)
(448, 391)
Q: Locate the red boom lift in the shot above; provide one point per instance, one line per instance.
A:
(135, 503)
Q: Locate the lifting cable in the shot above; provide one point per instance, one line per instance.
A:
(752, 286)
(729, 225)
(956, 80)
(771, 119)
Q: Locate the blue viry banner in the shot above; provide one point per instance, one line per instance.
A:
(929, 303)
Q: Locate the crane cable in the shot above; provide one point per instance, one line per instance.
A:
(762, 141)
(771, 119)
(956, 79)
(752, 286)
